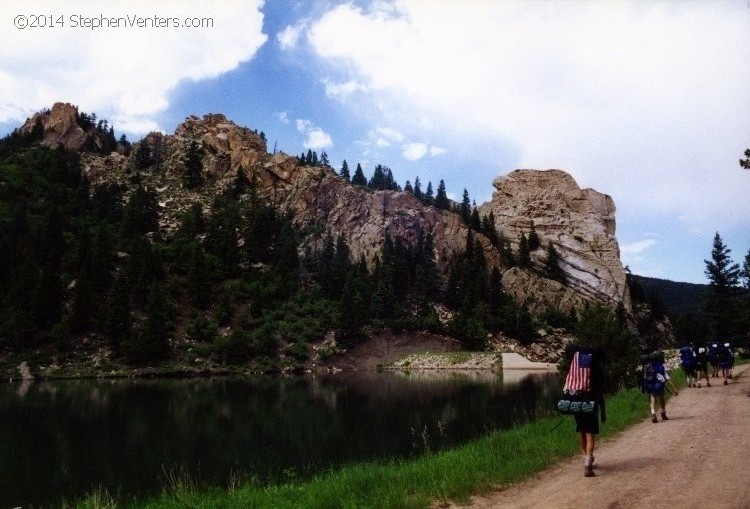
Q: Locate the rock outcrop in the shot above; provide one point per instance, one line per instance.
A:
(579, 222)
(61, 127)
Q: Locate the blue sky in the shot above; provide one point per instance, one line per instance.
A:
(644, 101)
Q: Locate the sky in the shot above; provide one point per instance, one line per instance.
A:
(646, 101)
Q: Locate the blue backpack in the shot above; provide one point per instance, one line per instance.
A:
(687, 358)
(653, 366)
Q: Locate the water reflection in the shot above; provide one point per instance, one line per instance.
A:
(61, 439)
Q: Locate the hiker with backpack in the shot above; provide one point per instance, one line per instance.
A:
(701, 365)
(655, 377)
(584, 383)
(713, 358)
(725, 359)
(688, 364)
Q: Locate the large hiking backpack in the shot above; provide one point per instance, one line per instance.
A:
(701, 357)
(652, 380)
(579, 372)
(723, 354)
(713, 353)
(687, 359)
(578, 392)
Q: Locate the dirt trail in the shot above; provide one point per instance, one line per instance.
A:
(697, 459)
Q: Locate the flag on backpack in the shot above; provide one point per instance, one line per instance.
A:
(579, 374)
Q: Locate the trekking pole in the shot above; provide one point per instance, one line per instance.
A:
(557, 425)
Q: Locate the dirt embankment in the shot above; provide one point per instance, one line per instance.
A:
(696, 459)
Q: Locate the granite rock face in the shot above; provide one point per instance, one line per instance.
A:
(579, 222)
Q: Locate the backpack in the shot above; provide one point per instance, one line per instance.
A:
(580, 383)
(579, 373)
(652, 367)
(687, 358)
(723, 355)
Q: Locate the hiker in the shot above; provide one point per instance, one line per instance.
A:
(655, 378)
(713, 358)
(688, 364)
(731, 359)
(725, 359)
(585, 377)
(701, 365)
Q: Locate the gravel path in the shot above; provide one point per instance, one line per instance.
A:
(697, 459)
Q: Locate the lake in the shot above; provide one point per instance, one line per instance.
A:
(61, 439)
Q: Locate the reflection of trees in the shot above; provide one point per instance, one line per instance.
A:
(120, 434)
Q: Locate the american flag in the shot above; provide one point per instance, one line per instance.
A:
(579, 374)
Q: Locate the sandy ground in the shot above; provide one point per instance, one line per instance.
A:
(696, 459)
(517, 361)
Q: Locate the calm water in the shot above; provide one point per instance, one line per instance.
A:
(61, 439)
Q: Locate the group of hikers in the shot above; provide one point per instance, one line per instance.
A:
(695, 360)
(583, 392)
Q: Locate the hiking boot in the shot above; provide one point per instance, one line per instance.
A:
(699, 385)
(654, 419)
(664, 416)
(708, 384)
(725, 382)
(589, 471)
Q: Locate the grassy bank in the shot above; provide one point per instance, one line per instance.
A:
(498, 459)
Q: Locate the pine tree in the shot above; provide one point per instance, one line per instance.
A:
(359, 178)
(552, 267)
(745, 163)
(344, 173)
(193, 175)
(428, 194)
(475, 222)
(720, 303)
(418, 189)
(408, 188)
(143, 157)
(151, 343)
(465, 209)
(524, 253)
(198, 284)
(745, 274)
(378, 180)
(534, 243)
(441, 199)
(118, 321)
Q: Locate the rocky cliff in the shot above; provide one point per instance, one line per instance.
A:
(579, 222)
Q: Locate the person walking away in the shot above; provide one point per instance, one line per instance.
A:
(701, 365)
(585, 377)
(655, 377)
(688, 364)
(713, 358)
(724, 356)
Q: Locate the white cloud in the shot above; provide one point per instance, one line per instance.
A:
(283, 117)
(634, 256)
(638, 247)
(385, 136)
(415, 151)
(122, 73)
(643, 101)
(289, 37)
(436, 151)
(342, 90)
(315, 137)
